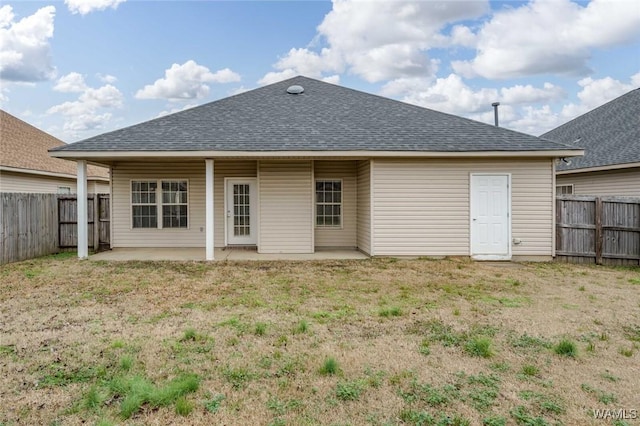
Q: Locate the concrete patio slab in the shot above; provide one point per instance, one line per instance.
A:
(198, 254)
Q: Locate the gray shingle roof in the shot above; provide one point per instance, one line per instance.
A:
(325, 117)
(610, 134)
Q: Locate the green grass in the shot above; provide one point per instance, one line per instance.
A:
(62, 375)
(301, 328)
(544, 403)
(238, 377)
(479, 346)
(329, 367)
(601, 396)
(260, 329)
(522, 416)
(190, 334)
(424, 347)
(608, 376)
(566, 348)
(94, 398)
(134, 391)
(390, 312)
(126, 362)
(212, 405)
(349, 390)
(530, 343)
(184, 407)
(529, 370)
(117, 344)
(282, 364)
(494, 421)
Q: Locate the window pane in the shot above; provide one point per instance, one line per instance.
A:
(174, 216)
(144, 217)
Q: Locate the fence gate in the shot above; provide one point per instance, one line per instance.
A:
(602, 230)
(97, 218)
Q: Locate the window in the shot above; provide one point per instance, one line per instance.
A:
(64, 190)
(564, 189)
(169, 197)
(328, 203)
(143, 204)
(174, 204)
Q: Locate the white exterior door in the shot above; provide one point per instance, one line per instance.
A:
(490, 217)
(240, 205)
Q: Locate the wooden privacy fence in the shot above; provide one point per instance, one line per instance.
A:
(602, 230)
(40, 224)
(97, 219)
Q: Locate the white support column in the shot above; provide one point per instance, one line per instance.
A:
(209, 224)
(83, 228)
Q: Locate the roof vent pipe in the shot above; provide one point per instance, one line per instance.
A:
(495, 111)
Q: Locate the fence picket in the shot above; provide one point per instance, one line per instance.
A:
(40, 224)
(602, 230)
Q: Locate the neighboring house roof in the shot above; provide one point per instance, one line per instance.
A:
(610, 134)
(325, 117)
(24, 148)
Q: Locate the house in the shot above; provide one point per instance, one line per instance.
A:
(26, 166)
(610, 135)
(302, 165)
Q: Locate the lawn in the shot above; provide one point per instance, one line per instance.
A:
(382, 341)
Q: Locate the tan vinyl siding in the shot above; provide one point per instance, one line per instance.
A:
(224, 169)
(98, 187)
(344, 236)
(26, 182)
(125, 236)
(422, 207)
(363, 232)
(614, 182)
(286, 200)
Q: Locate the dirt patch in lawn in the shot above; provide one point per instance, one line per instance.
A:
(380, 341)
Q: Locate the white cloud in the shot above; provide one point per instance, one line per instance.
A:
(525, 108)
(274, 77)
(106, 78)
(463, 36)
(597, 92)
(87, 112)
(449, 94)
(174, 110)
(379, 40)
(71, 83)
(594, 93)
(238, 90)
(186, 81)
(84, 7)
(333, 79)
(528, 94)
(25, 53)
(549, 37)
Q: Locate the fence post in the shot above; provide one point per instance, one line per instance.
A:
(599, 233)
(96, 224)
(558, 230)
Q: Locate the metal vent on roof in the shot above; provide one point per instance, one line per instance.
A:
(295, 90)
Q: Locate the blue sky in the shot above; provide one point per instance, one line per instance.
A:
(83, 67)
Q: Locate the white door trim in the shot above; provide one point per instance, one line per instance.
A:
(254, 206)
(506, 256)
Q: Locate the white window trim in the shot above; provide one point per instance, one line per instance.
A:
(64, 190)
(315, 204)
(568, 185)
(132, 204)
(159, 204)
